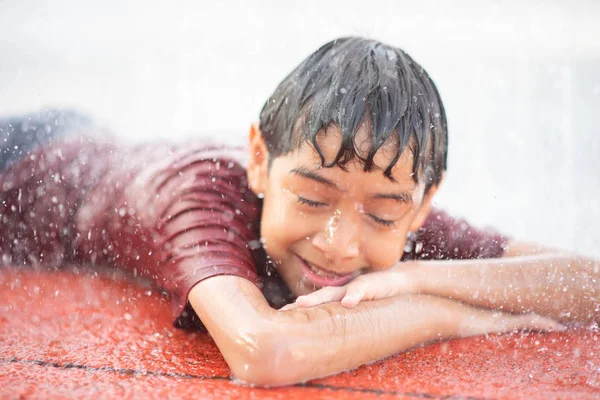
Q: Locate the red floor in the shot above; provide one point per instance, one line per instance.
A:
(75, 334)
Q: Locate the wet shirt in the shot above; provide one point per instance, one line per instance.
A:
(176, 214)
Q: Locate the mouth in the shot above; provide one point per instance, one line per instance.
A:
(321, 277)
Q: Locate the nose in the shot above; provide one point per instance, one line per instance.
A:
(339, 240)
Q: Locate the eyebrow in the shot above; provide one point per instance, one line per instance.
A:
(305, 172)
(402, 197)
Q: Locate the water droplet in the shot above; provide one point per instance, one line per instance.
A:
(227, 216)
(254, 244)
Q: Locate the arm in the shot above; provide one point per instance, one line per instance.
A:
(528, 278)
(267, 347)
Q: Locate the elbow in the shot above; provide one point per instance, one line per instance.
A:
(255, 371)
(268, 363)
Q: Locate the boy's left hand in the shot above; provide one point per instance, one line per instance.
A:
(370, 286)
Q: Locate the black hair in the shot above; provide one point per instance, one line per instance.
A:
(350, 81)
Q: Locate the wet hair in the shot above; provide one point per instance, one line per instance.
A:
(351, 81)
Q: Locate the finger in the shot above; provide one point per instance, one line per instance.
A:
(354, 294)
(288, 307)
(327, 294)
(368, 287)
(504, 322)
(536, 322)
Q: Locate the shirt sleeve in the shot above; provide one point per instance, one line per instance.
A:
(175, 215)
(444, 237)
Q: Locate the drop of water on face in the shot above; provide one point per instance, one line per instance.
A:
(333, 225)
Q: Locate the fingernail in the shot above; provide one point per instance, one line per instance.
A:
(349, 302)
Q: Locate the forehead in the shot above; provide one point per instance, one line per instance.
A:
(329, 141)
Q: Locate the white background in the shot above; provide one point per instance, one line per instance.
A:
(520, 81)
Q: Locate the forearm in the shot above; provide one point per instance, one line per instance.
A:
(557, 285)
(329, 338)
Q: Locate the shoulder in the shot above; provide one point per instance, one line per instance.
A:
(443, 236)
(162, 180)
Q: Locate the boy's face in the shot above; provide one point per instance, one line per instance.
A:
(325, 226)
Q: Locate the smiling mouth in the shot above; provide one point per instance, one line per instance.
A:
(321, 271)
(322, 277)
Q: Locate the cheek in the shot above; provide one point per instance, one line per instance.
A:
(385, 251)
(282, 226)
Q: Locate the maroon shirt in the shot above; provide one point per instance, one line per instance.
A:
(177, 214)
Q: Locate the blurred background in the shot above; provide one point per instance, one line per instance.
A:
(520, 82)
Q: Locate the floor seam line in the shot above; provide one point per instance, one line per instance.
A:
(134, 372)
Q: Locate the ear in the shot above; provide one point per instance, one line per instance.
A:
(258, 160)
(425, 206)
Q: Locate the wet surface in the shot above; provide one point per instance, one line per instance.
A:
(79, 334)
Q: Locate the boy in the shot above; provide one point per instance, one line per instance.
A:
(340, 176)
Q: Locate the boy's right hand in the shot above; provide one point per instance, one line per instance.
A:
(371, 286)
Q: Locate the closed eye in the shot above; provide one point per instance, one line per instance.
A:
(384, 222)
(310, 203)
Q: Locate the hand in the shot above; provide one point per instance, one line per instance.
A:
(371, 286)
(483, 322)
